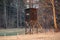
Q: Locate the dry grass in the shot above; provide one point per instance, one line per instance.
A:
(39, 36)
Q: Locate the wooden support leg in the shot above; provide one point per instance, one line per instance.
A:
(36, 29)
(25, 30)
(30, 29)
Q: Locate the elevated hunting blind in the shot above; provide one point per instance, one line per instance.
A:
(30, 18)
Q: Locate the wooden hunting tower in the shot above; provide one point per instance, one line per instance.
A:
(30, 19)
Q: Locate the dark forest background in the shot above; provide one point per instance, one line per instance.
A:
(12, 13)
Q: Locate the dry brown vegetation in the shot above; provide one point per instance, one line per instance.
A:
(39, 36)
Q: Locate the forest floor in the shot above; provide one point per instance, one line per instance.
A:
(40, 36)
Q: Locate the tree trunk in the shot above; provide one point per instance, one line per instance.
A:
(5, 16)
(17, 15)
(54, 14)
